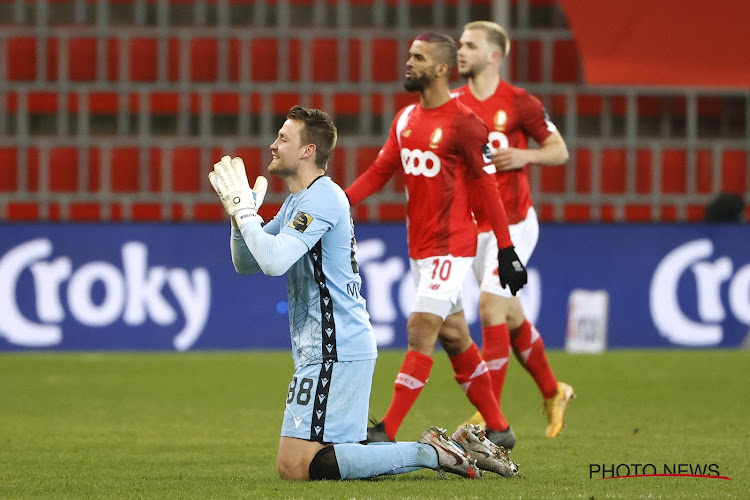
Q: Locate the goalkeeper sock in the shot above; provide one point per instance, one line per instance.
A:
(474, 379)
(358, 461)
(496, 352)
(415, 370)
(528, 347)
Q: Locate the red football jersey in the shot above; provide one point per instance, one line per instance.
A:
(444, 156)
(512, 116)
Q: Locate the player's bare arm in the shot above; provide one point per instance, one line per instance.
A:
(553, 151)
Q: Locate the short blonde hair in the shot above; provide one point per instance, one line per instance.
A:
(495, 34)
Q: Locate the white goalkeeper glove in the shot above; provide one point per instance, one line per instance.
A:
(229, 180)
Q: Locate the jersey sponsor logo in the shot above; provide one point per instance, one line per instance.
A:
(418, 162)
(301, 222)
(435, 138)
(500, 120)
(497, 141)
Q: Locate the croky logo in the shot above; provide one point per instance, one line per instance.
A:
(623, 471)
(417, 162)
(301, 222)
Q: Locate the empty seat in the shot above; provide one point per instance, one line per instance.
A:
(63, 169)
(8, 169)
(146, 212)
(635, 212)
(124, 170)
(613, 171)
(21, 59)
(325, 58)
(385, 60)
(552, 179)
(576, 212)
(143, 59)
(583, 171)
(204, 57)
(734, 166)
(673, 171)
(565, 65)
(704, 170)
(186, 175)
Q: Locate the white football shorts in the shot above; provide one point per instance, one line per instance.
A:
(439, 283)
(329, 402)
(524, 235)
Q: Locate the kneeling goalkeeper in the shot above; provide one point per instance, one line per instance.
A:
(311, 240)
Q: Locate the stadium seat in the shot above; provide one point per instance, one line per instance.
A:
(635, 212)
(143, 59)
(734, 167)
(8, 169)
(23, 211)
(583, 171)
(124, 170)
(325, 56)
(565, 62)
(673, 171)
(146, 212)
(85, 212)
(385, 60)
(63, 169)
(21, 59)
(613, 171)
(186, 174)
(704, 170)
(643, 171)
(577, 212)
(552, 180)
(204, 57)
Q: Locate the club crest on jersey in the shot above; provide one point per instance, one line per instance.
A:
(301, 222)
(435, 138)
(500, 120)
(406, 133)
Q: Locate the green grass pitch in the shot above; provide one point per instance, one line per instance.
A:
(206, 425)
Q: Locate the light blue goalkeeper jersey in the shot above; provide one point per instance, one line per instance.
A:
(328, 319)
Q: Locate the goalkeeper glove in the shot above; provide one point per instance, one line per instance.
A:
(510, 270)
(229, 180)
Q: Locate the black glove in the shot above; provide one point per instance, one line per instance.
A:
(510, 270)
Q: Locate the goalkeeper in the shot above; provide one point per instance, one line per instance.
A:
(311, 240)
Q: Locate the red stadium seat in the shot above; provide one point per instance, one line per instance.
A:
(21, 59)
(613, 171)
(385, 60)
(734, 167)
(143, 212)
(552, 180)
(143, 59)
(8, 169)
(124, 170)
(186, 172)
(637, 213)
(673, 171)
(85, 211)
(204, 57)
(325, 58)
(583, 171)
(704, 170)
(643, 171)
(565, 62)
(22, 211)
(576, 212)
(63, 169)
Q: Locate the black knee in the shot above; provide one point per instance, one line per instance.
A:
(324, 465)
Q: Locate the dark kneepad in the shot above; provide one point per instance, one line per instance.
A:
(324, 465)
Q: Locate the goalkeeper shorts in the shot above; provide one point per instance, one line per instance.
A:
(329, 402)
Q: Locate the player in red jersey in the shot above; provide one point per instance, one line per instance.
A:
(512, 116)
(441, 146)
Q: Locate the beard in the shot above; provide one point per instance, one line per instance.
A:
(280, 169)
(469, 72)
(417, 84)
